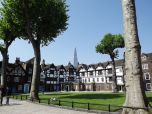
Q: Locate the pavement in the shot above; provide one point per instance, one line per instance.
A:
(26, 107)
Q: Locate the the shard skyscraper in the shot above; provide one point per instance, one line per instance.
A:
(76, 63)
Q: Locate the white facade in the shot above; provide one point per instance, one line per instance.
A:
(100, 75)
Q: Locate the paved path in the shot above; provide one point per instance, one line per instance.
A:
(25, 107)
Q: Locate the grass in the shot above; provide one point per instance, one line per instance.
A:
(97, 101)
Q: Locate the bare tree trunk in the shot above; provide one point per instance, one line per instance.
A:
(36, 72)
(4, 66)
(135, 95)
(114, 78)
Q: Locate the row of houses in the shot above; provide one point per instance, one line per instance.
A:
(93, 77)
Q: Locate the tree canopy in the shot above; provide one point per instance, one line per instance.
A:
(7, 36)
(107, 46)
(42, 20)
(109, 43)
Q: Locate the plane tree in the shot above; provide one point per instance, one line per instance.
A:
(40, 21)
(108, 45)
(135, 94)
(7, 36)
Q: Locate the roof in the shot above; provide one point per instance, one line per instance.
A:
(30, 61)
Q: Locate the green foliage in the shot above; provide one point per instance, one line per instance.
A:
(6, 34)
(40, 20)
(109, 43)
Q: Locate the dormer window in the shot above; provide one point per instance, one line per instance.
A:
(91, 73)
(82, 73)
(109, 71)
(145, 66)
(143, 58)
(99, 72)
(147, 76)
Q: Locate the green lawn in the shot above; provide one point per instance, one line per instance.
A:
(81, 99)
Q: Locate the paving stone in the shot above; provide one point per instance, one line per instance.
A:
(25, 107)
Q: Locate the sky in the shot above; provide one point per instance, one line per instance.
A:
(89, 21)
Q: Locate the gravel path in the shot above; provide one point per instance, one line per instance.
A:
(25, 107)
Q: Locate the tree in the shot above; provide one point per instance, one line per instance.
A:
(40, 22)
(6, 37)
(107, 46)
(135, 95)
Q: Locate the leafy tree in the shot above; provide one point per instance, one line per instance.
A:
(6, 37)
(40, 22)
(135, 95)
(107, 46)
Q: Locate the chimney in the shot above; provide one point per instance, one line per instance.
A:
(17, 60)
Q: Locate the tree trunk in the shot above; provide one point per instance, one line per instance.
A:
(4, 66)
(114, 78)
(36, 72)
(135, 95)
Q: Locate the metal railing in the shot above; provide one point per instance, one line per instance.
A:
(73, 104)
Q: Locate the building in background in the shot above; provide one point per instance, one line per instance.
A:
(93, 77)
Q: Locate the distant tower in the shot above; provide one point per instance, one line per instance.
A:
(42, 64)
(75, 64)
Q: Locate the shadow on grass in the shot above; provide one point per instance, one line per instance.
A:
(150, 100)
(58, 94)
(94, 96)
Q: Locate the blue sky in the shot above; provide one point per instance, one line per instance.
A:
(89, 21)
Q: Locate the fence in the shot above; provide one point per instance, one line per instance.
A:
(72, 104)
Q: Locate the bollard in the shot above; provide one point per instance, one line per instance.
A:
(72, 104)
(109, 107)
(59, 103)
(88, 106)
(26, 97)
(48, 101)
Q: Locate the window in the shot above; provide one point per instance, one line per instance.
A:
(119, 70)
(19, 71)
(88, 79)
(110, 79)
(48, 75)
(48, 82)
(16, 79)
(30, 71)
(93, 80)
(102, 79)
(99, 72)
(148, 86)
(61, 72)
(15, 72)
(52, 71)
(51, 75)
(145, 66)
(97, 79)
(147, 76)
(23, 74)
(143, 58)
(29, 79)
(61, 76)
(71, 73)
(82, 73)
(91, 73)
(85, 80)
(109, 71)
